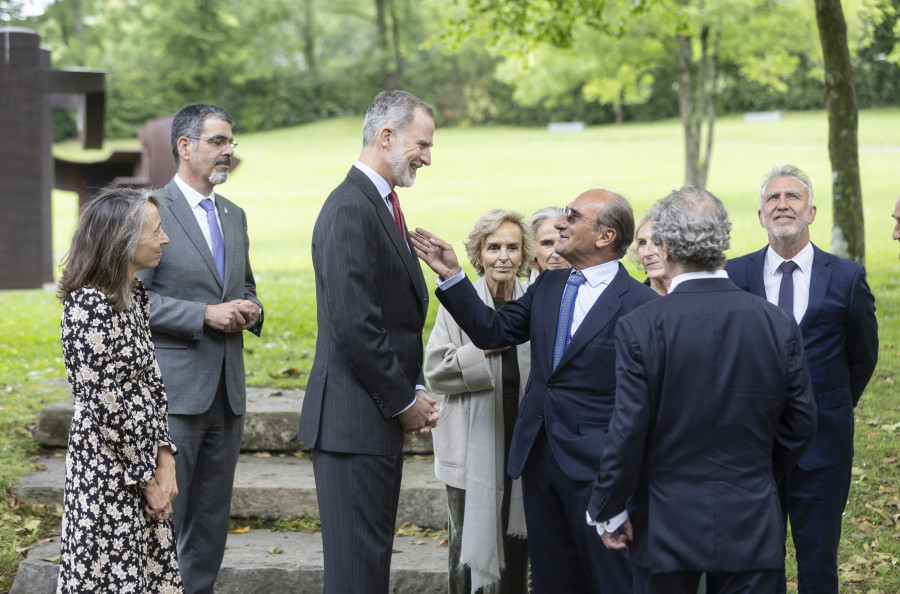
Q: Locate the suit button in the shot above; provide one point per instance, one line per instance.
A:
(541, 415)
(549, 387)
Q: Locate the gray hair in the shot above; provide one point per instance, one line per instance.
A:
(694, 225)
(391, 109)
(617, 215)
(107, 235)
(190, 119)
(487, 224)
(789, 171)
(632, 251)
(538, 218)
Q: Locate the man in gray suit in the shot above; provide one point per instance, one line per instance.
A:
(366, 387)
(202, 298)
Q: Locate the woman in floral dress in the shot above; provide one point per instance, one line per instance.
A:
(120, 471)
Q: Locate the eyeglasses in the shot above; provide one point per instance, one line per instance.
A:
(216, 140)
(572, 214)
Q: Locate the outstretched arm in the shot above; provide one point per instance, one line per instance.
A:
(436, 252)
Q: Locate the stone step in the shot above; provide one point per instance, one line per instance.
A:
(273, 487)
(269, 425)
(273, 563)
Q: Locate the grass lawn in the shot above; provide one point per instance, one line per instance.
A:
(286, 174)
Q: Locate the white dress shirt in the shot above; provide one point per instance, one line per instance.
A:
(194, 198)
(802, 276)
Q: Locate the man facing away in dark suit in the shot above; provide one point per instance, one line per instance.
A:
(202, 298)
(830, 299)
(713, 405)
(569, 317)
(366, 388)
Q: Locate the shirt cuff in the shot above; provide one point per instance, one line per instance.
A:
(610, 525)
(410, 404)
(443, 285)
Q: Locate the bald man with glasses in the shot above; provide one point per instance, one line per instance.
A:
(570, 317)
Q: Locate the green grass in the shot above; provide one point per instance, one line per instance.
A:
(286, 174)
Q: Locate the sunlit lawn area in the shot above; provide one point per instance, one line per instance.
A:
(286, 174)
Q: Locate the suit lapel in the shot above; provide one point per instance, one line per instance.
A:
(232, 232)
(755, 281)
(599, 316)
(818, 286)
(185, 217)
(404, 248)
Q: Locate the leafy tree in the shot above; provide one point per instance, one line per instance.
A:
(610, 51)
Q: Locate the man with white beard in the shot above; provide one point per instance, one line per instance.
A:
(366, 389)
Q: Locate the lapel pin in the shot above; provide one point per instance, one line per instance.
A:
(225, 208)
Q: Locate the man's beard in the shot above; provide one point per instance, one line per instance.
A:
(216, 178)
(399, 165)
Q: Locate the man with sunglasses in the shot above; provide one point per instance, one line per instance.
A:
(202, 298)
(570, 317)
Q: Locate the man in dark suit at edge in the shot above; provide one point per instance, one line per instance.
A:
(569, 317)
(830, 299)
(366, 388)
(713, 405)
(202, 298)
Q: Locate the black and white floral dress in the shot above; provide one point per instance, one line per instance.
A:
(109, 544)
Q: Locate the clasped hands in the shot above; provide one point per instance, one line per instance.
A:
(162, 488)
(232, 316)
(421, 417)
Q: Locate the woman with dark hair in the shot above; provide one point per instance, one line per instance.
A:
(482, 390)
(120, 471)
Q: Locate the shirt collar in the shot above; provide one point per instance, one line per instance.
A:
(381, 184)
(686, 276)
(803, 260)
(601, 273)
(193, 196)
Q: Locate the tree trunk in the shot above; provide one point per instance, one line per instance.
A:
(395, 42)
(847, 233)
(308, 32)
(384, 52)
(683, 64)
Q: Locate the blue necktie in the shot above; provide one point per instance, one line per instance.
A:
(218, 243)
(786, 290)
(566, 313)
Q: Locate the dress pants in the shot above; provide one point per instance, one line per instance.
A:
(208, 447)
(814, 501)
(567, 554)
(358, 496)
(722, 582)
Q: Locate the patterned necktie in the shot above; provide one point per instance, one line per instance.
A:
(218, 243)
(566, 313)
(398, 214)
(786, 290)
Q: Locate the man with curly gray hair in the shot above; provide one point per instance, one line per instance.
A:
(713, 406)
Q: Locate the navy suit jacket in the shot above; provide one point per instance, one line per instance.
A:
(840, 337)
(713, 405)
(574, 401)
(371, 301)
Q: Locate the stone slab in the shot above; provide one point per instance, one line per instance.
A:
(275, 487)
(271, 563)
(270, 424)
